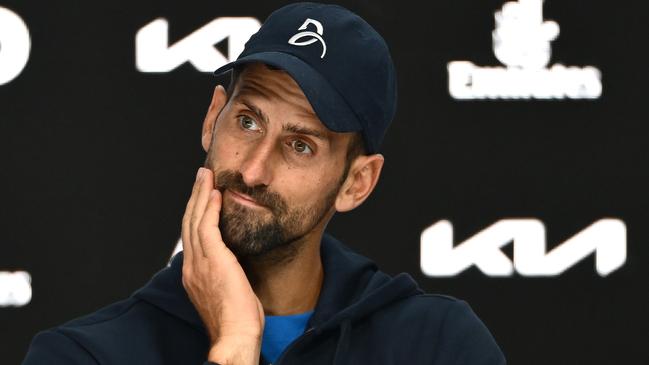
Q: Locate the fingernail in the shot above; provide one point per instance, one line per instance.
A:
(199, 173)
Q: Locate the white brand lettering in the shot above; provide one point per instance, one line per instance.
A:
(15, 45)
(177, 248)
(154, 54)
(15, 288)
(521, 41)
(606, 238)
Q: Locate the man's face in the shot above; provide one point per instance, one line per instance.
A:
(278, 167)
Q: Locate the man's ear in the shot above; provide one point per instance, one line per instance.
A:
(362, 178)
(219, 98)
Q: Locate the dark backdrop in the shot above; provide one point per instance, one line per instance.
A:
(98, 159)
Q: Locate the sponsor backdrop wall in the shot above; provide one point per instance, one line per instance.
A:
(516, 169)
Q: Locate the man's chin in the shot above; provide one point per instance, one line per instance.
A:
(246, 236)
(265, 245)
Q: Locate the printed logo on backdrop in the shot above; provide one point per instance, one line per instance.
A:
(522, 42)
(441, 257)
(15, 288)
(606, 238)
(15, 45)
(154, 54)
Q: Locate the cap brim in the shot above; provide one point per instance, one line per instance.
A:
(332, 109)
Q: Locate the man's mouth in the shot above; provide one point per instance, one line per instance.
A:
(243, 199)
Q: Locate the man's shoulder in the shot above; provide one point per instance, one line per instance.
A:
(427, 307)
(429, 300)
(445, 323)
(107, 314)
(103, 325)
(131, 316)
(121, 331)
(76, 341)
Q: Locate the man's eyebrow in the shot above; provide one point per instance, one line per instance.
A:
(295, 128)
(258, 112)
(288, 127)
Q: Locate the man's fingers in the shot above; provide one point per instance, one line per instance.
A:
(186, 227)
(208, 229)
(202, 195)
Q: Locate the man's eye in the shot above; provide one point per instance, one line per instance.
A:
(248, 123)
(301, 147)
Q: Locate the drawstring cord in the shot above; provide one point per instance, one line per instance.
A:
(343, 342)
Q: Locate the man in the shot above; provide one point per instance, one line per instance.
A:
(293, 140)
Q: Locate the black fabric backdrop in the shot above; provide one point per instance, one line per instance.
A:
(98, 159)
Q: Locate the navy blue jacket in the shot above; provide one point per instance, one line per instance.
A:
(363, 316)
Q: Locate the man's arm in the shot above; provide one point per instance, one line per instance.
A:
(53, 347)
(216, 283)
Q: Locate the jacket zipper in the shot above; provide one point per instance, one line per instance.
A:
(293, 344)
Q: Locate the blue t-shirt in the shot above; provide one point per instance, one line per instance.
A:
(280, 331)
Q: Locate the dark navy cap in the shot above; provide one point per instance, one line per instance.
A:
(340, 62)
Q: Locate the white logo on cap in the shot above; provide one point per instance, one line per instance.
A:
(313, 36)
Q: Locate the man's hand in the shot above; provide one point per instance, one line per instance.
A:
(216, 283)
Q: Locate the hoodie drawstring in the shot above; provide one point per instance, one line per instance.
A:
(343, 342)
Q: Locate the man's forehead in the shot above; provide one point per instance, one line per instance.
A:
(258, 80)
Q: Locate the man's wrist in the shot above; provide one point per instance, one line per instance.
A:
(235, 353)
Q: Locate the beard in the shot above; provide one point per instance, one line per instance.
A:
(273, 234)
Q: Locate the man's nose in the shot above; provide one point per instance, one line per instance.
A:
(256, 168)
